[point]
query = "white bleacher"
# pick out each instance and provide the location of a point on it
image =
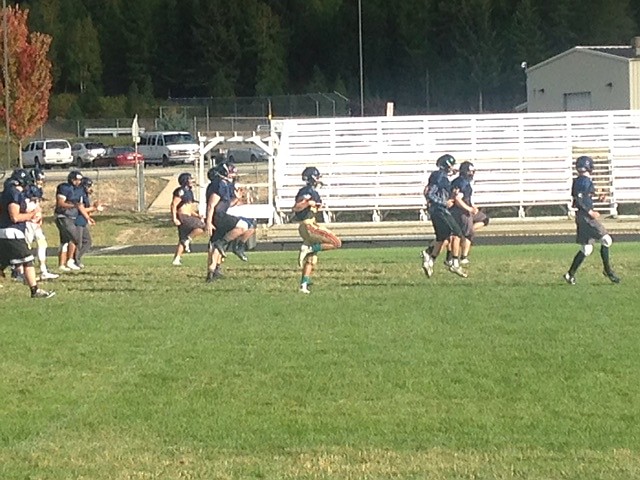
(381, 164)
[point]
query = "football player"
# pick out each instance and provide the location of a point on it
(315, 238)
(439, 200)
(33, 231)
(82, 223)
(185, 216)
(222, 227)
(464, 211)
(14, 250)
(67, 209)
(588, 226)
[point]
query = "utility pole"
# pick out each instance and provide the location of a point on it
(361, 59)
(5, 73)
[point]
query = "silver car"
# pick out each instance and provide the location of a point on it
(246, 154)
(84, 153)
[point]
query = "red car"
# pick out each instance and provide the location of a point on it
(119, 157)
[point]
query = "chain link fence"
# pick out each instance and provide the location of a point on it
(227, 116)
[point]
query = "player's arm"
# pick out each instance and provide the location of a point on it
(304, 202)
(583, 202)
(84, 212)
(458, 200)
(16, 217)
(62, 202)
(175, 201)
(212, 202)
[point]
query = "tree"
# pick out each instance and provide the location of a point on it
(28, 78)
(271, 73)
(83, 55)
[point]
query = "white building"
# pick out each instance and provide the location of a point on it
(587, 78)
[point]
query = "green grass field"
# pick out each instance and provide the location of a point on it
(140, 370)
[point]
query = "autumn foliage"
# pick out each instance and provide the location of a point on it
(29, 75)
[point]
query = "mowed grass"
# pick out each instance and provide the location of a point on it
(140, 370)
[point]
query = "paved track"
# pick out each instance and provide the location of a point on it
(410, 234)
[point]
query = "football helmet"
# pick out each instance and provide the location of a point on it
(584, 164)
(86, 183)
(74, 175)
(467, 170)
(227, 170)
(37, 175)
(33, 191)
(446, 162)
(20, 177)
(311, 176)
(184, 179)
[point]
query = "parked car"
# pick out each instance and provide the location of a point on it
(242, 154)
(84, 153)
(119, 157)
(46, 153)
(169, 148)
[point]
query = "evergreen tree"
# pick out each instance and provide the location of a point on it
(271, 69)
(83, 55)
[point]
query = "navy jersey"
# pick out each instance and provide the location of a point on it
(583, 192)
(463, 185)
(310, 193)
(185, 194)
(225, 190)
(80, 220)
(10, 195)
(438, 189)
(72, 195)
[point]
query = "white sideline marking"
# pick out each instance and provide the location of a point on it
(114, 248)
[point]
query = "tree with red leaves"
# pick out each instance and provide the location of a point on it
(28, 76)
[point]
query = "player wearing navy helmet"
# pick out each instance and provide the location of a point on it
(222, 227)
(67, 209)
(14, 250)
(185, 216)
(83, 222)
(464, 211)
(315, 238)
(438, 193)
(33, 233)
(588, 226)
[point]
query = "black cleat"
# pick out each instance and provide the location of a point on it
(611, 276)
(239, 252)
(212, 276)
(570, 279)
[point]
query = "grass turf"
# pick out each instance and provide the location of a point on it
(138, 369)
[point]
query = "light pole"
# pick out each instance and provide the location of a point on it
(361, 62)
(5, 72)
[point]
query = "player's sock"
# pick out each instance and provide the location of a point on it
(604, 254)
(577, 261)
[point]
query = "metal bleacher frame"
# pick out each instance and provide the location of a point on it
(381, 164)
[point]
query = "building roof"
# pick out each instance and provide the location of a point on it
(622, 53)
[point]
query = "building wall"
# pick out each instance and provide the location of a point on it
(594, 81)
(634, 83)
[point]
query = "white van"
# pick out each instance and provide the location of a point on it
(46, 153)
(168, 148)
